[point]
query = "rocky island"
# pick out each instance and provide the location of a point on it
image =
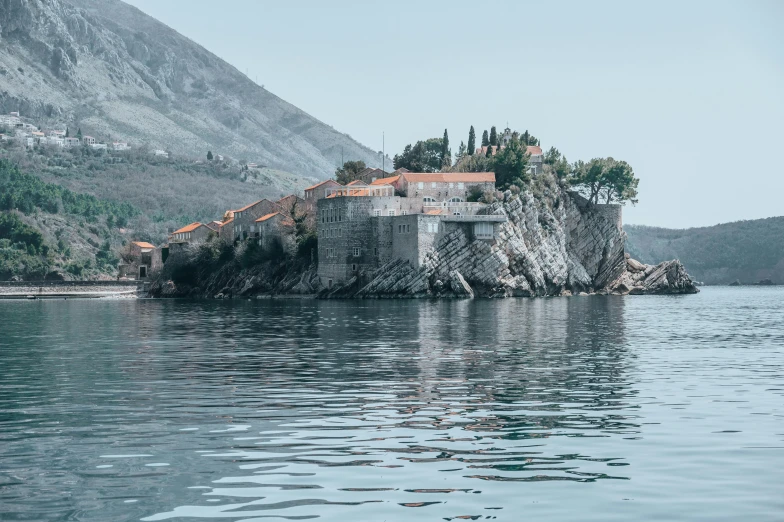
(546, 240)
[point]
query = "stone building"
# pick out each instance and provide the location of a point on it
(193, 233)
(245, 217)
(276, 229)
(319, 191)
(362, 227)
(137, 260)
(442, 188)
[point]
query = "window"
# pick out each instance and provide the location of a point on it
(420, 185)
(353, 268)
(340, 214)
(451, 185)
(483, 230)
(322, 215)
(356, 252)
(461, 185)
(432, 227)
(340, 232)
(455, 200)
(391, 212)
(377, 212)
(375, 251)
(404, 212)
(428, 199)
(408, 229)
(433, 184)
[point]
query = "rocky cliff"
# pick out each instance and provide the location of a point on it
(553, 244)
(119, 74)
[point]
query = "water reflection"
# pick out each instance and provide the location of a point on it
(155, 410)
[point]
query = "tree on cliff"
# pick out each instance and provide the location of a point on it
(605, 180)
(423, 156)
(511, 165)
(485, 139)
(471, 141)
(493, 136)
(446, 152)
(349, 171)
(461, 153)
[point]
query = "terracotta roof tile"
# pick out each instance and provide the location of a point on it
(230, 220)
(317, 185)
(266, 217)
(450, 177)
(142, 244)
(386, 181)
(534, 149)
(188, 228)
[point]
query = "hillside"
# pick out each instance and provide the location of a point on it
(748, 251)
(116, 73)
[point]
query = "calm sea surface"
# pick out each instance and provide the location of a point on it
(586, 408)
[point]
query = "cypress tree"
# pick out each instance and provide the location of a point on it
(67, 133)
(446, 152)
(485, 139)
(209, 155)
(471, 141)
(489, 151)
(493, 136)
(79, 133)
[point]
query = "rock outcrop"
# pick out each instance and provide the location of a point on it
(558, 245)
(554, 244)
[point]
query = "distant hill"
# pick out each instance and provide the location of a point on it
(748, 251)
(118, 74)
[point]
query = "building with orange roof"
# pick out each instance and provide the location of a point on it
(318, 191)
(193, 233)
(276, 231)
(245, 217)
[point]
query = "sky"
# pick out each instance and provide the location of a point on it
(690, 94)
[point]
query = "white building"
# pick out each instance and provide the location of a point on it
(99, 146)
(119, 145)
(161, 153)
(71, 142)
(88, 140)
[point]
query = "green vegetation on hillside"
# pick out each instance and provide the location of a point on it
(23, 251)
(744, 250)
(25, 193)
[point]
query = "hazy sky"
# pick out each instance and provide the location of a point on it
(691, 94)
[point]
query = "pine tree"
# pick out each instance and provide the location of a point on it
(209, 155)
(485, 139)
(493, 136)
(446, 152)
(471, 141)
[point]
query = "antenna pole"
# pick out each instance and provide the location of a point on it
(383, 153)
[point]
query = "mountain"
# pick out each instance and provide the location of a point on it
(118, 74)
(747, 251)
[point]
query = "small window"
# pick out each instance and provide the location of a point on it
(377, 212)
(461, 185)
(433, 184)
(451, 185)
(353, 268)
(421, 185)
(329, 283)
(340, 232)
(483, 230)
(408, 229)
(404, 212)
(356, 252)
(391, 212)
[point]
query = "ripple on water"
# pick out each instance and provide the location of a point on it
(594, 408)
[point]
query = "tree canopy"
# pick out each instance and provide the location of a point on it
(423, 156)
(493, 136)
(605, 180)
(471, 141)
(485, 139)
(349, 171)
(446, 152)
(511, 165)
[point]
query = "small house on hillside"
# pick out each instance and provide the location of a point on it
(138, 260)
(319, 191)
(275, 230)
(193, 233)
(245, 217)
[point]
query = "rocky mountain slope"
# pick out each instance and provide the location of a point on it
(554, 243)
(746, 251)
(117, 73)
